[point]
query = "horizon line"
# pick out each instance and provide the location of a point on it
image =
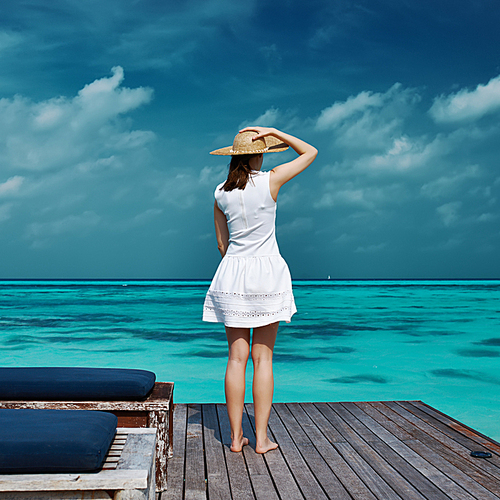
(210, 279)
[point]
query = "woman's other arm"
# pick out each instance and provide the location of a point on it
(221, 230)
(283, 173)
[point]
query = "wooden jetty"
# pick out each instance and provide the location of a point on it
(388, 450)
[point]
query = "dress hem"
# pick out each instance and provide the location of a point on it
(240, 324)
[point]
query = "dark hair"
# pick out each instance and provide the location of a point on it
(239, 172)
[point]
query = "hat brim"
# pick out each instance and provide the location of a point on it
(274, 146)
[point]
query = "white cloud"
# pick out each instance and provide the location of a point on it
(449, 212)
(179, 190)
(370, 122)
(11, 185)
(5, 210)
(487, 217)
(96, 104)
(390, 170)
(322, 36)
(211, 176)
(270, 118)
(359, 195)
(274, 117)
(9, 39)
(339, 111)
(290, 196)
(447, 184)
(101, 164)
(371, 248)
(343, 197)
(69, 224)
(141, 219)
(449, 244)
(62, 131)
(131, 140)
(64, 203)
(104, 98)
(403, 154)
(298, 226)
(168, 38)
(75, 154)
(272, 56)
(344, 238)
(147, 215)
(467, 105)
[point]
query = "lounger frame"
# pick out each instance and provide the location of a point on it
(154, 412)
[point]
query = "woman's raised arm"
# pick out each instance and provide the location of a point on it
(283, 173)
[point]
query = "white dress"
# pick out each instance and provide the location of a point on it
(252, 286)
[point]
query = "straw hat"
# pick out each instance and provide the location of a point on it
(244, 145)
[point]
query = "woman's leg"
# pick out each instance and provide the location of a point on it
(263, 383)
(239, 348)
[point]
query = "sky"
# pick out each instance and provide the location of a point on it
(108, 111)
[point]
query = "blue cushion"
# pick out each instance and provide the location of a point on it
(38, 441)
(74, 384)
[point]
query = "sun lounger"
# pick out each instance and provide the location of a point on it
(38, 441)
(127, 474)
(132, 395)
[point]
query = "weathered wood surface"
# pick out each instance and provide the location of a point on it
(155, 411)
(115, 450)
(56, 495)
(134, 472)
(393, 450)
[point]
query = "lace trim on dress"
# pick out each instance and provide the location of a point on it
(246, 314)
(250, 296)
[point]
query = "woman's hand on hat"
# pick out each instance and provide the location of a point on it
(261, 131)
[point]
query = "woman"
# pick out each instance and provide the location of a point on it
(252, 288)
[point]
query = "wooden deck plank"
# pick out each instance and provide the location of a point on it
(481, 471)
(402, 415)
(217, 478)
(283, 479)
(258, 472)
(319, 467)
(421, 485)
(484, 471)
(455, 424)
(461, 433)
(450, 463)
(393, 450)
(239, 480)
(317, 431)
(468, 483)
(194, 485)
(175, 477)
(308, 484)
(365, 455)
(342, 472)
(431, 469)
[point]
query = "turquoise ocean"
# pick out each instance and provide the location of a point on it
(435, 341)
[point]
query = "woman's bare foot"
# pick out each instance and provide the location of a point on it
(237, 444)
(266, 446)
